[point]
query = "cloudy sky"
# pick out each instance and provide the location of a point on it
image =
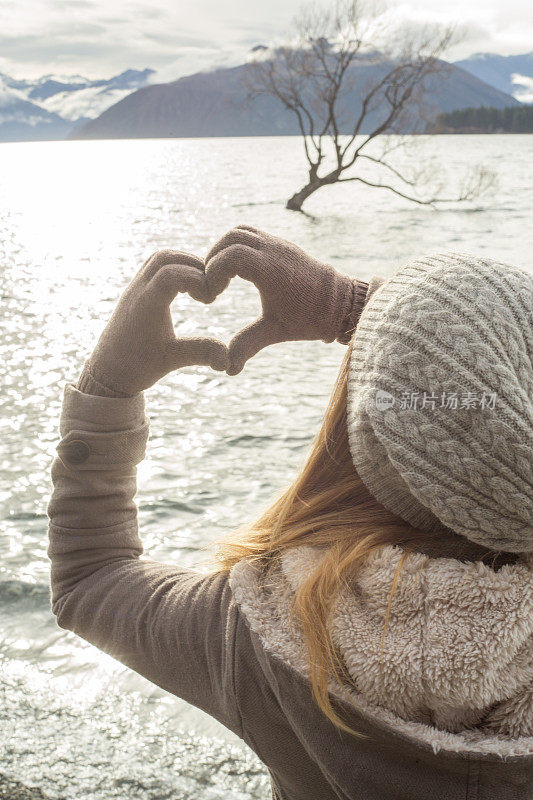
(99, 38)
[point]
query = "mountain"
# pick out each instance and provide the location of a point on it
(22, 120)
(214, 104)
(53, 105)
(510, 74)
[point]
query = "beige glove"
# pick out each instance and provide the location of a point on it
(301, 297)
(138, 346)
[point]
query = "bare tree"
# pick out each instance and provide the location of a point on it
(349, 76)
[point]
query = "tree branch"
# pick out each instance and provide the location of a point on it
(467, 194)
(388, 166)
(430, 202)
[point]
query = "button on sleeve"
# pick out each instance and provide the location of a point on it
(75, 452)
(110, 450)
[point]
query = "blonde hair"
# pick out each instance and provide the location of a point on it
(327, 506)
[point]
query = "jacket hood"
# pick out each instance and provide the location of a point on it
(454, 669)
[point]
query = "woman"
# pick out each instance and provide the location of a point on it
(371, 635)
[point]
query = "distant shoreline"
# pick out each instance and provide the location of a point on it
(477, 132)
(513, 119)
(450, 132)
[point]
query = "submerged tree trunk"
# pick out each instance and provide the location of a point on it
(296, 202)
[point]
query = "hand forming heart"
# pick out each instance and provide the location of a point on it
(301, 298)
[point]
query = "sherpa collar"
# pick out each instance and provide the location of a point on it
(457, 660)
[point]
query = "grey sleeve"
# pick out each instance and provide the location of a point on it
(174, 626)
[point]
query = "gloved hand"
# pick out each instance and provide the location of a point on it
(138, 346)
(301, 297)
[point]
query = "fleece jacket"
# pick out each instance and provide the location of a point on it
(447, 713)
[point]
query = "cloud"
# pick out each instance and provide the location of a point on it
(88, 102)
(103, 37)
(525, 87)
(8, 95)
(197, 59)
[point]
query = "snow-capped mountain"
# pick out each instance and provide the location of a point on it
(510, 74)
(53, 105)
(61, 106)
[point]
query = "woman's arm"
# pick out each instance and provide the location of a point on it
(174, 626)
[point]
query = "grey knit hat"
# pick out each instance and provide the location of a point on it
(440, 398)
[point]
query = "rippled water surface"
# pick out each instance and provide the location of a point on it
(77, 219)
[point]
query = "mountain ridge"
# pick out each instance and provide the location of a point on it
(50, 106)
(214, 103)
(63, 106)
(510, 74)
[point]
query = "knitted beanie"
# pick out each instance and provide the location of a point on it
(440, 398)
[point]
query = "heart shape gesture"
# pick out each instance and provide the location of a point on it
(138, 346)
(301, 298)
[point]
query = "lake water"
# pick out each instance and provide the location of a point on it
(77, 219)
